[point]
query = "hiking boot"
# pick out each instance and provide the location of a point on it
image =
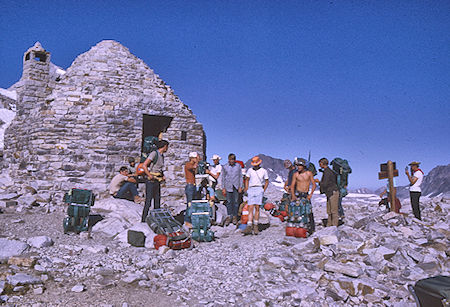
(235, 220)
(255, 229)
(247, 230)
(227, 221)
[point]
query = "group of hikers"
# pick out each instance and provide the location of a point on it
(233, 182)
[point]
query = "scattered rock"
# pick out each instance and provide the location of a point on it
(40, 241)
(25, 261)
(9, 248)
(20, 279)
(78, 288)
(348, 269)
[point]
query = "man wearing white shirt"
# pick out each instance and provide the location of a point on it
(415, 181)
(214, 173)
(256, 182)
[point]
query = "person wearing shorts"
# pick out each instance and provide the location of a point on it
(256, 183)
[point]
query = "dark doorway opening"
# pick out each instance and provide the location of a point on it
(153, 125)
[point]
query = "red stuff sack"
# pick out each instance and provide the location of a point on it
(159, 240)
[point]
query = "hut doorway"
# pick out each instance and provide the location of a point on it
(153, 125)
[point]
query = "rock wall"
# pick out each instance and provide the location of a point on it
(77, 131)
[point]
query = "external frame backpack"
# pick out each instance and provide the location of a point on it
(148, 147)
(341, 168)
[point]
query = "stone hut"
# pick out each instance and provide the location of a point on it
(75, 129)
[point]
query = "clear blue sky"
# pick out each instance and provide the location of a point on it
(368, 81)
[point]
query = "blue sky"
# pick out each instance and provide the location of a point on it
(367, 81)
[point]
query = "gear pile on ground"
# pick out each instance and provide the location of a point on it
(368, 261)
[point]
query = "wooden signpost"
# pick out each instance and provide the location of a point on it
(389, 171)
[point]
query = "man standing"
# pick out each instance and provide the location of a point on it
(256, 182)
(328, 186)
(232, 182)
(415, 191)
(291, 171)
(154, 174)
(214, 172)
(123, 186)
(301, 181)
(189, 172)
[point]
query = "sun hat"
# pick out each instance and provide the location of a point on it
(414, 163)
(216, 157)
(256, 161)
(193, 154)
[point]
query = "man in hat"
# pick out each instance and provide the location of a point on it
(214, 172)
(415, 182)
(190, 168)
(232, 185)
(256, 183)
(301, 181)
(154, 173)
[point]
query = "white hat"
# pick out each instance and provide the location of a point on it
(216, 157)
(193, 154)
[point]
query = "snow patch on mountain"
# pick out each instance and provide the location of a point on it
(6, 117)
(9, 94)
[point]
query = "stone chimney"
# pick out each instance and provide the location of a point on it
(34, 84)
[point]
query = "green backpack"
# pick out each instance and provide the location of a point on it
(341, 168)
(148, 147)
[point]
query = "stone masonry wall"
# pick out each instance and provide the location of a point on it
(80, 133)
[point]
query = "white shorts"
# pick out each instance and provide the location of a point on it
(255, 195)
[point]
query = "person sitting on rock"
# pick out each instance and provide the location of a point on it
(131, 165)
(123, 186)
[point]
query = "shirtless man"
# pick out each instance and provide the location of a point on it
(301, 180)
(300, 188)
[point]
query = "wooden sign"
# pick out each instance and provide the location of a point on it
(388, 172)
(384, 175)
(384, 167)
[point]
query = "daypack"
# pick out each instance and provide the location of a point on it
(148, 147)
(312, 168)
(341, 168)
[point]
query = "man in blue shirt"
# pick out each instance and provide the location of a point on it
(233, 184)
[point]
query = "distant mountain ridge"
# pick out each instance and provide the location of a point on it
(274, 167)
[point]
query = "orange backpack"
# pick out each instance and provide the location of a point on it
(244, 215)
(140, 169)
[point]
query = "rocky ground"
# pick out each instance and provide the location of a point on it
(368, 261)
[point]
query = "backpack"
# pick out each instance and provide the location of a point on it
(148, 147)
(341, 168)
(202, 167)
(311, 167)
